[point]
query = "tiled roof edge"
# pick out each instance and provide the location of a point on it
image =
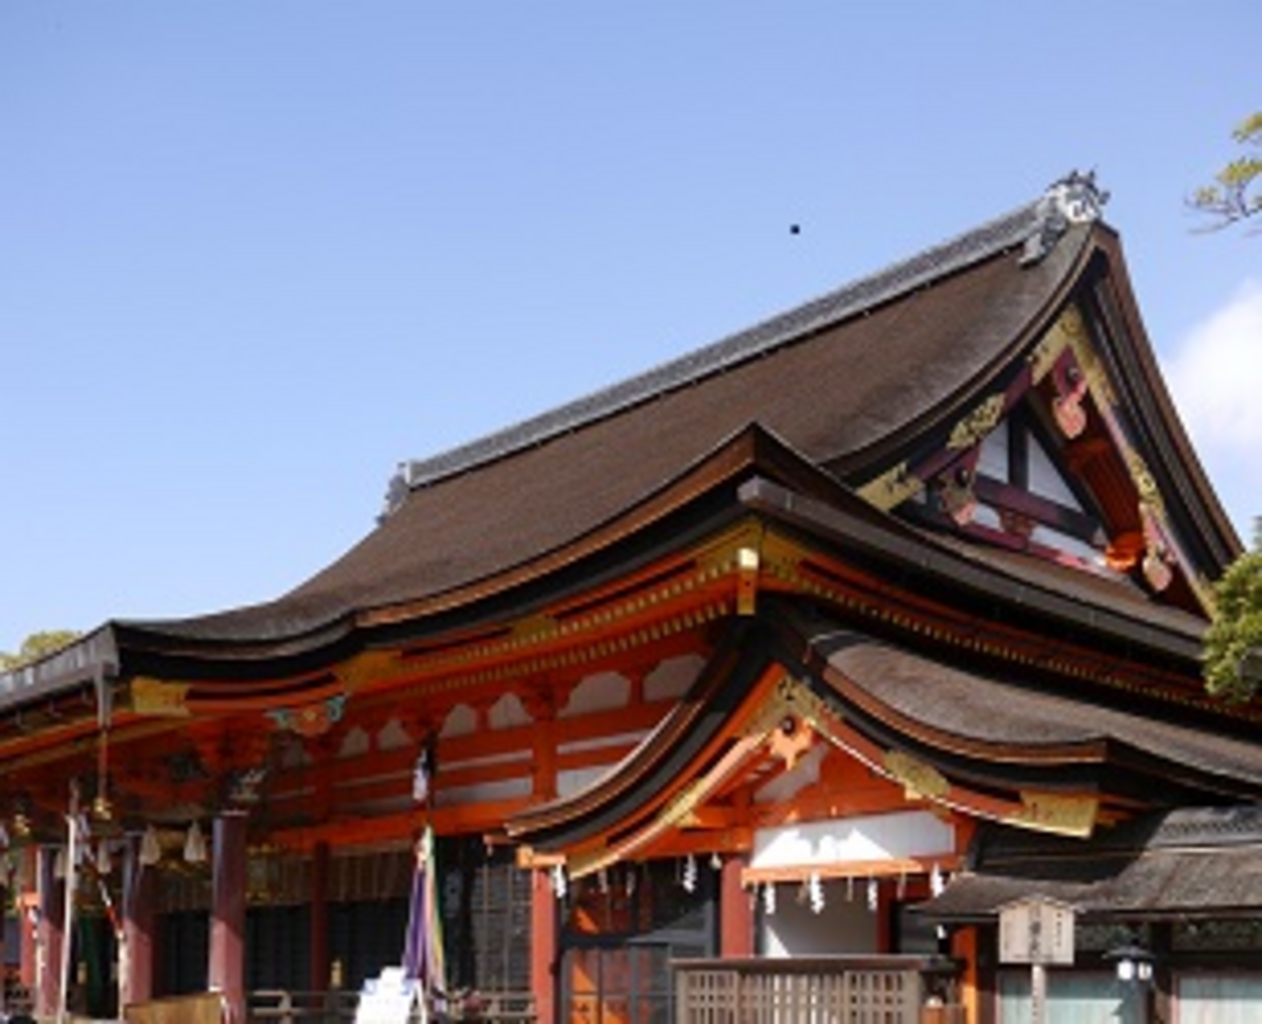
(1035, 226)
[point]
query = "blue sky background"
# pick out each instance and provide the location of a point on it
(254, 253)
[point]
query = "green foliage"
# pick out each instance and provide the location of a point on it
(1236, 192)
(1233, 644)
(36, 646)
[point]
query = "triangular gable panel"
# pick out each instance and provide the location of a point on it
(1053, 463)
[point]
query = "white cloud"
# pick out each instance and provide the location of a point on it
(1215, 374)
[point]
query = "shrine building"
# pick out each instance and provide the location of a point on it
(802, 656)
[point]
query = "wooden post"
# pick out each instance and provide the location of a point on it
(544, 965)
(320, 965)
(1038, 993)
(140, 919)
(736, 911)
(965, 947)
(226, 969)
(49, 936)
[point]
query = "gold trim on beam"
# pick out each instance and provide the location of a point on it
(891, 488)
(155, 698)
(1056, 813)
(893, 867)
(978, 423)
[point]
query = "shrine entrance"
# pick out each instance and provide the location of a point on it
(620, 932)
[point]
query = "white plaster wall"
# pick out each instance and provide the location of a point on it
(869, 837)
(507, 712)
(577, 779)
(598, 692)
(460, 721)
(794, 929)
(508, 789)
(672, 677)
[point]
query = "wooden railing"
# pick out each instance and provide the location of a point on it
(817, 990)
(281, 1006)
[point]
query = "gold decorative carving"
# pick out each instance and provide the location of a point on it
(159, 699)
(536, 627)
(917, 778)
(681, 806)
(891, 488)
(1070, 331)
(1057, 813)
(1044, 355)
(790, 699)
(977, 424)
(368, 668)
(747, 568)
(1142, 478)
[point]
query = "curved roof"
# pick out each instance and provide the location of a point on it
(841, 381)
(830, 379)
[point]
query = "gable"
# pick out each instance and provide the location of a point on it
(1060, 460)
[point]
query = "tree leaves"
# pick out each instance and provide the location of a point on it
(36, 646)
(1233, 644)
(1234, 194)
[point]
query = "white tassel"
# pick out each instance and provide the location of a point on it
(874, 895)
(689, 880)
(195, 845)
(817, 893)
(936, 882)
(769, 898)
(559, 883)
(150, 848)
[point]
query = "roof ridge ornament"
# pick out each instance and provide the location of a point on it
(1073, 199)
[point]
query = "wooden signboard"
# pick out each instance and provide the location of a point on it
(1036, 930)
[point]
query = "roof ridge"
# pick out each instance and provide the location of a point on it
(1035, 226)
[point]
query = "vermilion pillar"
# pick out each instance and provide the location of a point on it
(320, 918)
(140, 922)
(736, 912)
(543, 946)
(226, 970)
(52, 909)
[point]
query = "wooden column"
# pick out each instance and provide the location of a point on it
(136, 967)
(320, 918)
(28, 913)
(964, 947)
(736, 911)
(540, 703)
(544, 964)
(226, 968)
(52, 909)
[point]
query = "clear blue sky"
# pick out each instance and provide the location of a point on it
(254, 253)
